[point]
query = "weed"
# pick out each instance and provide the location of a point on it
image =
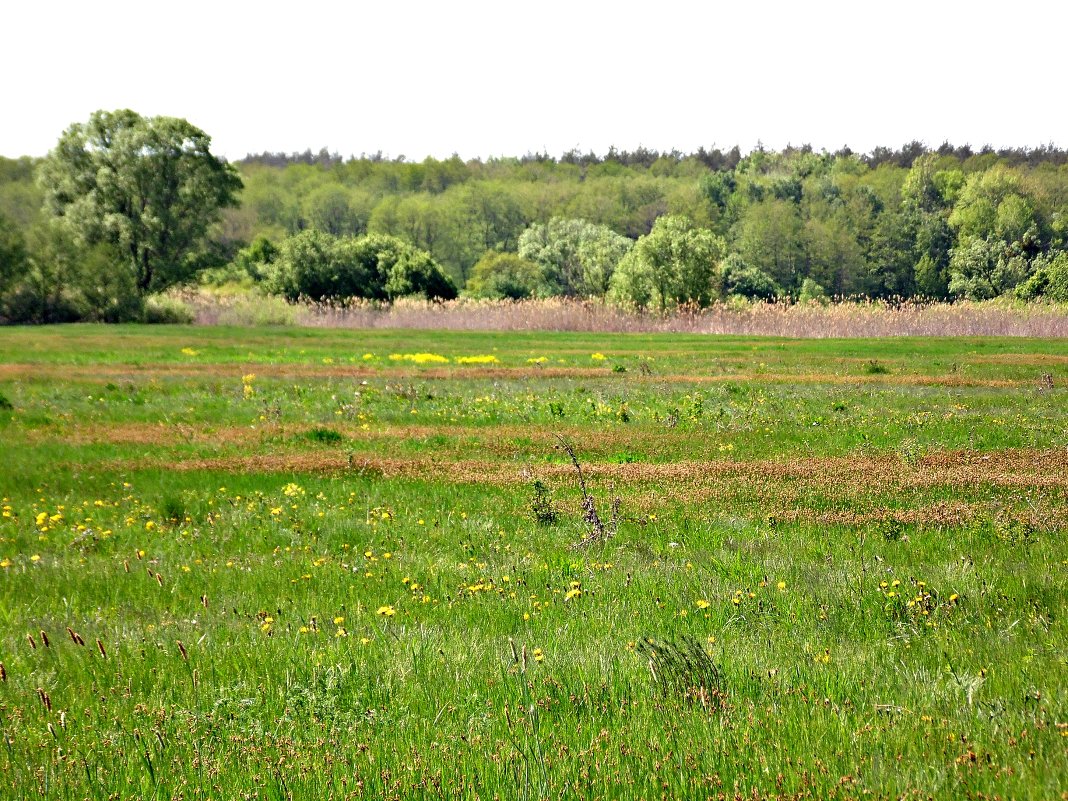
(891, 530)
(911, 450)
(5, 404)
(875, 367)
(598, 531)
(541, 504)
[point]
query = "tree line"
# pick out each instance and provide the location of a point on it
(643, 228)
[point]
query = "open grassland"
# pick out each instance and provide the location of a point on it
(307, 563)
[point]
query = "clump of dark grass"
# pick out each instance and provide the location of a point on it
(875, 367)
(324, 435)
(684, 669)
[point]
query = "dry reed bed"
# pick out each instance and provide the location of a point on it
(847, 319)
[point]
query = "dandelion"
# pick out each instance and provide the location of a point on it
(598, 357)
(538, 655)
(190, 352)
(386, 611)
(781, 586)
(485, 359)
(702, 604)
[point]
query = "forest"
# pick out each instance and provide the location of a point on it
(642, 229)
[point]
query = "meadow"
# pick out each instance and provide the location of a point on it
(338, 563)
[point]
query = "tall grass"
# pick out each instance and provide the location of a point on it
(843, 319)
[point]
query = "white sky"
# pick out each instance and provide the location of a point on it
(498, 78)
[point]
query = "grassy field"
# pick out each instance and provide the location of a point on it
(254, 563)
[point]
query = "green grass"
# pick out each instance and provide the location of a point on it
(297, 572)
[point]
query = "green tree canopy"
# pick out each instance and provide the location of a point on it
(149, 187)
(576, 257)
(505, 275)
(316, 265)
(12, 253)
(674, 263)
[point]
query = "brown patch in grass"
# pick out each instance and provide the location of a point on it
(100, 374)
(1035, 359)
(829, 491)
(850, 475)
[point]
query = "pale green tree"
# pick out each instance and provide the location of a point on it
(674, 263)
(576, 257)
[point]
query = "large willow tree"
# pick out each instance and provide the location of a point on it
(147, 186)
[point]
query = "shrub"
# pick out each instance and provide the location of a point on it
(1049, 280)
(811, 292)
(320, 267)
(748, 282)
(163, 309)
(505, 275)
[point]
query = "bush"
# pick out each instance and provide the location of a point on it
(811, 292)
(1049, 279)
(162, 309)
(749, 282)
(320, 267)
(505, 276)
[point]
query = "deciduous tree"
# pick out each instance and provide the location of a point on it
(147, 186)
